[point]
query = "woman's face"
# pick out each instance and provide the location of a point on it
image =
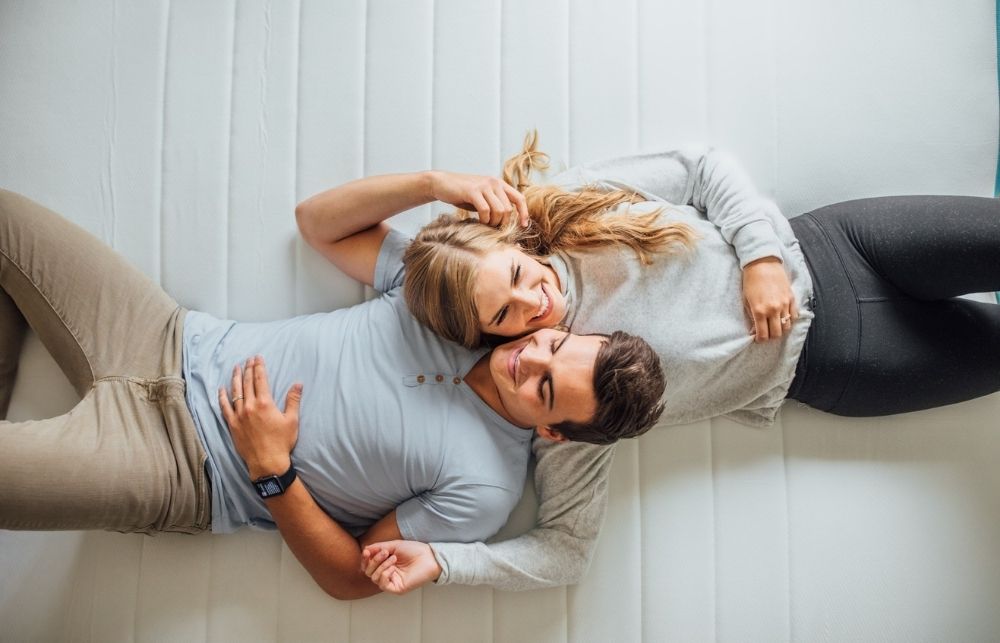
(516, 294)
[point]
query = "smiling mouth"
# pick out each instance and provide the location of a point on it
(513, 362)
(545, 307)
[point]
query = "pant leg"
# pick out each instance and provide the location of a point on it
(95, 313)
(126, 458)
(879, 344)
(929, 247)
(13, 328)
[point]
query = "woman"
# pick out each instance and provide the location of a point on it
(879, 331)
(890, 267)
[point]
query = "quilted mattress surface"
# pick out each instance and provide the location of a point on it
(183, 132)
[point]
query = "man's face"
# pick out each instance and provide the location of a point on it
(547, 377)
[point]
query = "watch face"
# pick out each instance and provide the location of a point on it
(269, 487)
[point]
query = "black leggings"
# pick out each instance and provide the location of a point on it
(889, 335)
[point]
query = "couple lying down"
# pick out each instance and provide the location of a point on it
(362, 435)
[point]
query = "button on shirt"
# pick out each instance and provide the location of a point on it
(387, 420)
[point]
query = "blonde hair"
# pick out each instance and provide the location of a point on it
(441, 262)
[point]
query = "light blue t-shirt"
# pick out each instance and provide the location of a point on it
(387, 421)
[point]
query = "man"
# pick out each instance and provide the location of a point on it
(404, 435)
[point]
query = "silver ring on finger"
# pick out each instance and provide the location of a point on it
(787, 319)
(237, 399)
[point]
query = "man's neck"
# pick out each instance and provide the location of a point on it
(481, 381)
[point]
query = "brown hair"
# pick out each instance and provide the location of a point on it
(629, 384)
(442, 261)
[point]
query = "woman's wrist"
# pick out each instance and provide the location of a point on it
(428, 180)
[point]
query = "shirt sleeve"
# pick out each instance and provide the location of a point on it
(462, 512)
(389, 270)
(571, 480)
(703, 177)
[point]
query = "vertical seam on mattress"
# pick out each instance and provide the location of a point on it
(996, 185)
(637, 63)
(715, 536)
(500, 96)
(569, 86)
(788, 528)
(229, 163)
(163, 137)
(706, 62)
(775, 130)
(430, 96)
(364, 93)
(296, 263)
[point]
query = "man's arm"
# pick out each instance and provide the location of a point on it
(264, 437)
(571, 482)
(330, 555)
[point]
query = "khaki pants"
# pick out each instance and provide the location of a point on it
(127, 457)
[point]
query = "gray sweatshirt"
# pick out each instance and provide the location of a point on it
(689, 307)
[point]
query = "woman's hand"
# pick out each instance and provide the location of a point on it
(398, 566)
(263, 435)
(493, 199)
(768, 298)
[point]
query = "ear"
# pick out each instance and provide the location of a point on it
(550, 434)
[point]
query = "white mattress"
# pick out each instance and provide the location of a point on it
(184, 132)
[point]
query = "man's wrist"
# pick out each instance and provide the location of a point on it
(269, 467)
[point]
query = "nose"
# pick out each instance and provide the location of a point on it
(533, 359)
(527, 302)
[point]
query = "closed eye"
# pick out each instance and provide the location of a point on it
(547, 378)
(515, 277)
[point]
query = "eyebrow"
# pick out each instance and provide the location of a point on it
(496, 317)
(552, 390)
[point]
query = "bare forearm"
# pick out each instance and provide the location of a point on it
(330, 554)
(339, 212)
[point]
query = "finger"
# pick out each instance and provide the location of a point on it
(383, 571)
(496, 208)
(507, 208)
(292, 401)
(375, 562)
(774, 326)
(227, 409)
(237, 385)
(760, 324)
(248, 390)
(260, 385)
(482, 207)
(794, 311)
(394, 583)
(519, 202)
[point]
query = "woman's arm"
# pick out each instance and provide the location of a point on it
(571, 481)
(346, 224)
(713, 182)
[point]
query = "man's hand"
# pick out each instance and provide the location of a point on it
(398, 566)
(263, 435)
(768, 298)
(493, 199)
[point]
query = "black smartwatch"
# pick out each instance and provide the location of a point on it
(270, 486)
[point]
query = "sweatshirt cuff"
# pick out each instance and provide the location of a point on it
(756, 240)
(439, 551)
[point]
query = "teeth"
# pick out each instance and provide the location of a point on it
(545, 306)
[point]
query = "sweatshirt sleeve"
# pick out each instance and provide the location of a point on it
(571, 480)
(708, 179)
